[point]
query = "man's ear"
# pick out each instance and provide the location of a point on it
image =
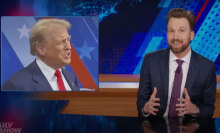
(41, 50)
(192, 35)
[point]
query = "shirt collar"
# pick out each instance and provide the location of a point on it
(186, 58)
(47, 70)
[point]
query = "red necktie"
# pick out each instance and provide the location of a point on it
(59, 81)
(176, 89)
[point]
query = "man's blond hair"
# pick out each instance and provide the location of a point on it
(39, 31)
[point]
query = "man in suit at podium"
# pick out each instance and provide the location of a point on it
(177, 81)
(50, 43)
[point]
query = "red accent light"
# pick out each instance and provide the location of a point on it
(202, 9)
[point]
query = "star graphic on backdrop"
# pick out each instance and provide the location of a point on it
(24, 31)
(85, 51)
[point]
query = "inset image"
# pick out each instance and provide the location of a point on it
(49, 53)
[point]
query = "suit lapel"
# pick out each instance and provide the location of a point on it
(193, 69)
(40, 82)
(164, 68)
(68, 79)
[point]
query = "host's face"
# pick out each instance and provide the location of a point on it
(57, 50)
(179, 35)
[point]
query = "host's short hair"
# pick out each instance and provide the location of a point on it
(39, 31)
(182, 13)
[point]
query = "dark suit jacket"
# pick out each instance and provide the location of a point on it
(32, 79)
(200, 82)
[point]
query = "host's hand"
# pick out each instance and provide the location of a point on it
(149, 107)
(185, 106)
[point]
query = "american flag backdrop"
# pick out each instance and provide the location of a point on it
(15, 47)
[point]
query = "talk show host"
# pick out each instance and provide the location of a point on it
(177, 81)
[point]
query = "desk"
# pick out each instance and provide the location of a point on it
(106, 124)
(108, 110)
(108, 102)
(44, 116)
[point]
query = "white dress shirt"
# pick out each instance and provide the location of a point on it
(49, 74)
(172, 68)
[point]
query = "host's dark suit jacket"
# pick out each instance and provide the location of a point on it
(32, 79)
(200, 82)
